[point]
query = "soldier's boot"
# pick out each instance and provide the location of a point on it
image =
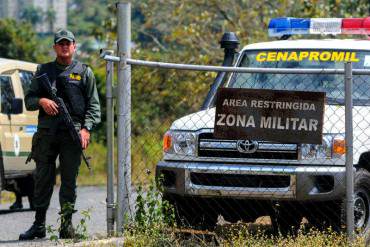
(16, 205)
(66, 229)
(38, 229)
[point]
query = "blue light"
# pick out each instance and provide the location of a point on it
(300, 25)
(288, 26)
(279, 26)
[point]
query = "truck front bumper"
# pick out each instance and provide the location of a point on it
(252, 181)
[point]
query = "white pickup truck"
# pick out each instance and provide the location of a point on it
(204, 177)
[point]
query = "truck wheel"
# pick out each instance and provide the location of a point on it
(192, 212)
(285, 219)
(361, 210)
(23, 187)
(335, 213)
(362, 201)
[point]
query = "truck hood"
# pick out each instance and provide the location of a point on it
(334, 122)
(334, 119)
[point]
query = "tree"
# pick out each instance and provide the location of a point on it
(32, 14)
(50, 18)
(85, 16)
(189, 31)
(18, 40)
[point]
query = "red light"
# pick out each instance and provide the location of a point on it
(366, 25)
(356, 25)
(352, 25)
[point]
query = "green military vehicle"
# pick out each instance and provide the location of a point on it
(17, 126)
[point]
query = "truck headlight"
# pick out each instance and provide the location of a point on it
(180, 142)
(332, 147)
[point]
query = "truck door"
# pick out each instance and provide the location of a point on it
(3, 135)
(29, 123)
(13, 135)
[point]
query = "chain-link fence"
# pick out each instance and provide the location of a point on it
(206, 177)
(210, 180)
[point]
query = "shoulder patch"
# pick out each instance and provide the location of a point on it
(75, 76)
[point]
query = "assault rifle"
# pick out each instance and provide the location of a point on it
(63, 113)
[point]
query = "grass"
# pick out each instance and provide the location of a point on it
(145, 154)
(238, 238)
(310, 237)
(97, 151)
(242, 238)
(154, 225)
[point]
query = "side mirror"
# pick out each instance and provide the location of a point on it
(16, 106)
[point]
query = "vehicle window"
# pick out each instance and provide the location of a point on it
(25, 77)
(6, 93)
(333, 85)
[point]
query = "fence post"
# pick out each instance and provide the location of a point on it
(110, 141)
(124, 114)
(349, 150)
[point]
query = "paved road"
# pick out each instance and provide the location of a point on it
(11, 224)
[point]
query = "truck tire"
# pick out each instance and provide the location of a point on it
(23, 186)
(362, 201)
(334, 214)
(192, 212)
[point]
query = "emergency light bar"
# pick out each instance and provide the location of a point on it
(289, 25)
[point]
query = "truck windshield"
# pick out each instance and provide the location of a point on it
(333, 85)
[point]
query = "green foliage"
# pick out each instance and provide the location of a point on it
(151, 210)
(153, 214)
(98, 152)
(85, 17)
(81, 232)
(35, 15)
(147, 150)
(159, 94)
(240, 236)
(17, 40)
(50, 17)
(53, 232)
(81, 228)
(32, 14)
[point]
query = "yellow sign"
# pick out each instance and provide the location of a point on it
(75, 77)
(335, 56)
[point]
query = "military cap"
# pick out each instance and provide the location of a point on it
(63, 34)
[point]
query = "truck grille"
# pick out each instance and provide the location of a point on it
(240, 180)
(210, 147)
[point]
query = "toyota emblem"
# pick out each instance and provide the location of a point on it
(247, 146)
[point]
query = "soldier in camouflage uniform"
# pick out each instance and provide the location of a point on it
(75, 84)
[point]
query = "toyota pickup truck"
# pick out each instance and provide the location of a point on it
(17, 126)
(204, 176)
